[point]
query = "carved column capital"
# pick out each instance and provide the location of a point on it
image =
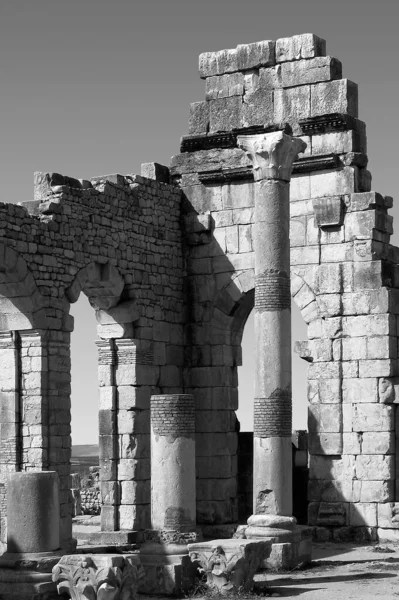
(272, 154)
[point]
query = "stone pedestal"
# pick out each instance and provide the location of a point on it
(272, 156)
(230, 565)
(24, 576)
(102, 576)
(33, 512)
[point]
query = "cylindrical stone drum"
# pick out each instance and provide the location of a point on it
(173, 502)
(33, 512)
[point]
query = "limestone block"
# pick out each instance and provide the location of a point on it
(339, 142)
(320, 490)
(314, 70)
(258, 54)
(375, 467)
(218, 63)
(376, 368)
(350, 369)
(326, 391)
(298, 47)
(313, 233)
(133, 421)
(134, 517)
(329, 304)
(292, 104)
(257, 108)
(305, 256)
(130, 468)
(110, 494)
(333, 183)
(328, 514)
(329, 279)
(107, 398)
(134, 445)
(330, 370)
(324, 418)
(352, 443)
(378, 442)
(215, 444)
(368, 275)
(325, 443)
(372, 417)
(216, 512)
(108, 470)
(133, 492)
(363, 513)
(354, 349)
(224, 86)
(338, 253)
(216, 489)
(388, 390)
(207, 160)
(376, 491)
(153, 170)
(359, 225)
(298, 232)
(365, 201)
(225, 114)
(300, 190)
(224, 398)
(125, 312)
(118, 330)
(359, 390)
(130, 396)
(387, 535)
(329, 468)
(214, 467)
(367, 325)
(215, 420)
(107, 446)
(365, 302)
(334, 97)
(387, 515)
(238, 195)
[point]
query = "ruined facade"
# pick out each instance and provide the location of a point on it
(167, 261)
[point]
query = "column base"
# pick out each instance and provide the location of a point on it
(164, 556)
(28, 575)
(291, 544)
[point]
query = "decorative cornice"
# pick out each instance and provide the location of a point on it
(326, 123)
(227, 139)
(305, 164)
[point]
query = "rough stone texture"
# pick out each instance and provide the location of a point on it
(172, 299)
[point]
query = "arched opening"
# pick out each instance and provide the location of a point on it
(84, 409)
(245, 412)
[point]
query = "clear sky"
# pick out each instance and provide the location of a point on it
(90, 87)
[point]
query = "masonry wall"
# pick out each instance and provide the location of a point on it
(344, 279)
(118, 240)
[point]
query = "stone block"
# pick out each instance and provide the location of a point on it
(326, 391)
(325, 443)
(329, 491)
(253, 56)
(368, 275)
(376, 491)
(324, 418)
(360, 389)
(135, 492)
(238, 195)
(328, 514)
(133, 421)
(134, 446)
(331, 468)
(334, 97)
(214, 467)
(298, 47)
(354, 349)
(366, 302)
(372, 417)
(329, 305)
(367, 325)
(314, 70)
(130, 396)
(298, 232)
(134, 517)
(216, 512)
(330, 370)
(376, 368)
(257, 108)
(224, 86)
(339, 142)
(215, 444)
(225, 114)
(116, 331)
(333, 183)
(378, 442)
(107, 398)
(126, 312)
(387, 515)
(351, 443)
(107, 446)
(215, 420)
(110, 494)
(365, 201)
(218, 63)
(363, 513)
(130, 468)
(375, 467)
(153, 170)
(292, 104)
(300, 190)
(216, 489)
(328, 212)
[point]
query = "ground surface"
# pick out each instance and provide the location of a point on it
(337, 572)
(340, 572)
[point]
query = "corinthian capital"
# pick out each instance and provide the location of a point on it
(272, 154)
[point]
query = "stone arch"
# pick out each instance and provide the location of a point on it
(102, 284)
(22, 306)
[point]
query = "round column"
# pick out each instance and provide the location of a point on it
(273, 406)
(33, 512)
(173, 499)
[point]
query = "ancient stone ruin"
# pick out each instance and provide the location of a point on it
(173, 261)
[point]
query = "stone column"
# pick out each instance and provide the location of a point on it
(272, 156)
(173, 503)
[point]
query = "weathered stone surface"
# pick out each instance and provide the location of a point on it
(225, 113)
(224, 86)
(258, 54)
(298, 47)
(292, 104)
(334, 97)
(375, 468)
(310, 71)
(217, 63)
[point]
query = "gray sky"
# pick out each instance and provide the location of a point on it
(91, 87)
